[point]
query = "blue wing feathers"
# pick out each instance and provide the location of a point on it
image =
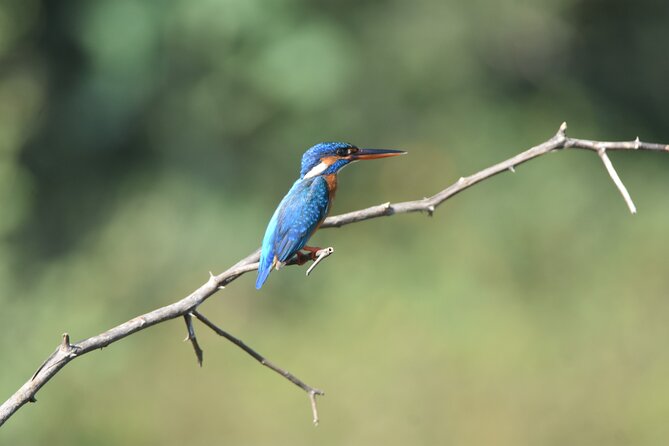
(263, 272)
(267, 250)
(305, 208)
(294, 221)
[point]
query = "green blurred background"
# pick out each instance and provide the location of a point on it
(143, 144)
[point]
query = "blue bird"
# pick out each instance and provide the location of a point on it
(307, 203)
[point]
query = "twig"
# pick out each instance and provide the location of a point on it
(192, 338)
(616, 179)
(320, 255)
(311, 391)
(59, 359)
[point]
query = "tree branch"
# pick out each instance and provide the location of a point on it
(66, 352)
(199, 354)
(311, 391)
(616, 179)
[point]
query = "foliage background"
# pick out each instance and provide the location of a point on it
(143, 144)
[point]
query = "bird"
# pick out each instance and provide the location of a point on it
(307, 203)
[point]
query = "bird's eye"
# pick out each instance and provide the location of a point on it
(342, 151)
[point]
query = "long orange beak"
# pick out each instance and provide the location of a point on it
(370, 154)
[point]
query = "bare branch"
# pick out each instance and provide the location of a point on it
(311, 391)
(67, 352)
(192, 338)
(320, 255)
(616, 179)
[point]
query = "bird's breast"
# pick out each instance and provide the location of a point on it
(331, 181)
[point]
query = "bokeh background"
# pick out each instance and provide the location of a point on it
(143, 144)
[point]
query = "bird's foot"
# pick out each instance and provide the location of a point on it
(311, 254)
(315, 254)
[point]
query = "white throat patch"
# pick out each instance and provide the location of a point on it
(317, 170)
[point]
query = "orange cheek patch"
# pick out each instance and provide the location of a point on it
(329, 160)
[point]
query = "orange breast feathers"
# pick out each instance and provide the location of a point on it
(331, 180)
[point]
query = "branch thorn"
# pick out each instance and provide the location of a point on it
(563, 129)
(637, 143)
(512, 169)
(387, 208)
(65, 344)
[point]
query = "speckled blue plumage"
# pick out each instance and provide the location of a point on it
(297, 217)
(307, 203)
(300, 212)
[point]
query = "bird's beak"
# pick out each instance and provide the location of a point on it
(370, 154)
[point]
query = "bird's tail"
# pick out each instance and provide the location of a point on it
(265, 267)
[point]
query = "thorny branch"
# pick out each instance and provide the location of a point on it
(311, 391)
(187, 307)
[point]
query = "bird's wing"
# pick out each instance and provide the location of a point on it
(301, 213)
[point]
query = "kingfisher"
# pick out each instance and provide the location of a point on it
(307, 203)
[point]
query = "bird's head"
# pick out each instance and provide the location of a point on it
(329, 157)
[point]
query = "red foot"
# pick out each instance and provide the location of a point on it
(304, 258)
